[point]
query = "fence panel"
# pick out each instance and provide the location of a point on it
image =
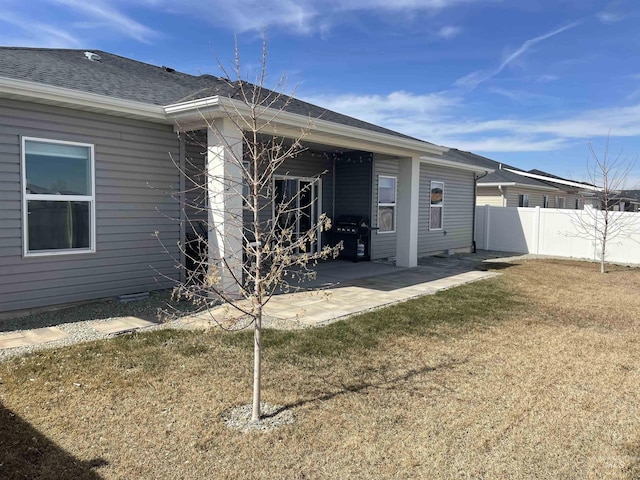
(556, 232)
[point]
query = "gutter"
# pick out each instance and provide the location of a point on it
(67, 97)
(218, 106)
(516, 184)
(555, 180)
(457, 165)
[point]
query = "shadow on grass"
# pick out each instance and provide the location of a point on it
(27, 453)
(384, 384)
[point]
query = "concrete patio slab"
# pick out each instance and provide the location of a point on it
(340, 296)
(119, 325)
(31, 337)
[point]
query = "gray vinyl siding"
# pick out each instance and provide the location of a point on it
(383, 245)
(536, 197)
(457, 214)
(489, 196)
(134, 180)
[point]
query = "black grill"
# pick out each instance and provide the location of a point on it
(352, 231)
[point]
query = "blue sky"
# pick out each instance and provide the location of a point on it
(529, 83)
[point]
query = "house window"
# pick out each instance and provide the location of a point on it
(436, 200)
(545, 201)
(58, 183)
(387, 193)
(523, 200)
(578, 206)
(561, 202)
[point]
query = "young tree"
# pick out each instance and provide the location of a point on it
(272, 252)
(599, 222)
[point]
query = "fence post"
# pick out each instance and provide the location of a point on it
(536, 231)
(487, 219)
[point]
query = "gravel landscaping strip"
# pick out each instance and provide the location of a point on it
(273, 416)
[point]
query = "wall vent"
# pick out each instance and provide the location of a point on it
(94, 57)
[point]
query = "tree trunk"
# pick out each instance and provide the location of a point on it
(257, 365)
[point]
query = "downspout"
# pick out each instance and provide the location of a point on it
(475, 201)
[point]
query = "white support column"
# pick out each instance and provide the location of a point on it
(407, 212)
(224, 194)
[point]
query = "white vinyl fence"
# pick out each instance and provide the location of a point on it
(555, 232)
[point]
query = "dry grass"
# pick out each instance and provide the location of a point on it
(535, 374)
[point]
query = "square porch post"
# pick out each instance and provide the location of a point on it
(224, 195)
(407, 215)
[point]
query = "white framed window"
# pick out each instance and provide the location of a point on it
(387, 199)
(58, 197)
(523, 200)
(562, 202)
(578, 204)
(545, 201)
(436, 205)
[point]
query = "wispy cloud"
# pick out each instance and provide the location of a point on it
(105, 14)
(610, 17)
(301, 16)
(448, 32)
(440, 118)
(473, 79)
(34, 33)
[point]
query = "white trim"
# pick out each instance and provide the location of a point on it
(215, 107)
(515, 184)
(91, 199)
(555, 180)
(41, 93)
(394, 205)
(441, 206)
(196, 110)
(457, 165)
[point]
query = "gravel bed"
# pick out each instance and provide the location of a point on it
(76, 321)
(273, 416)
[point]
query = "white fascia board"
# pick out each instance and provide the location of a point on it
(555, 180)
(66, 97)
(450, 164)
(212, 107)
(521, 185)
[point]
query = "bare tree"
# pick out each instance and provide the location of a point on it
(259, 249)
(600, 222)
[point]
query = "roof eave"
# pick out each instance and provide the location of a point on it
(580, 186)
(516, 184)
(457, 165)
(66, 97)
(189, 114)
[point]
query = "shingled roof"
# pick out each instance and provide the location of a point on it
(124, 78)
(499, 175)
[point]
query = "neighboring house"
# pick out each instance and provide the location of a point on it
(508, 186)
(627, 201)
(91, 149)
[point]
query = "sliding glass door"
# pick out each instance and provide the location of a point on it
(297, 205)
